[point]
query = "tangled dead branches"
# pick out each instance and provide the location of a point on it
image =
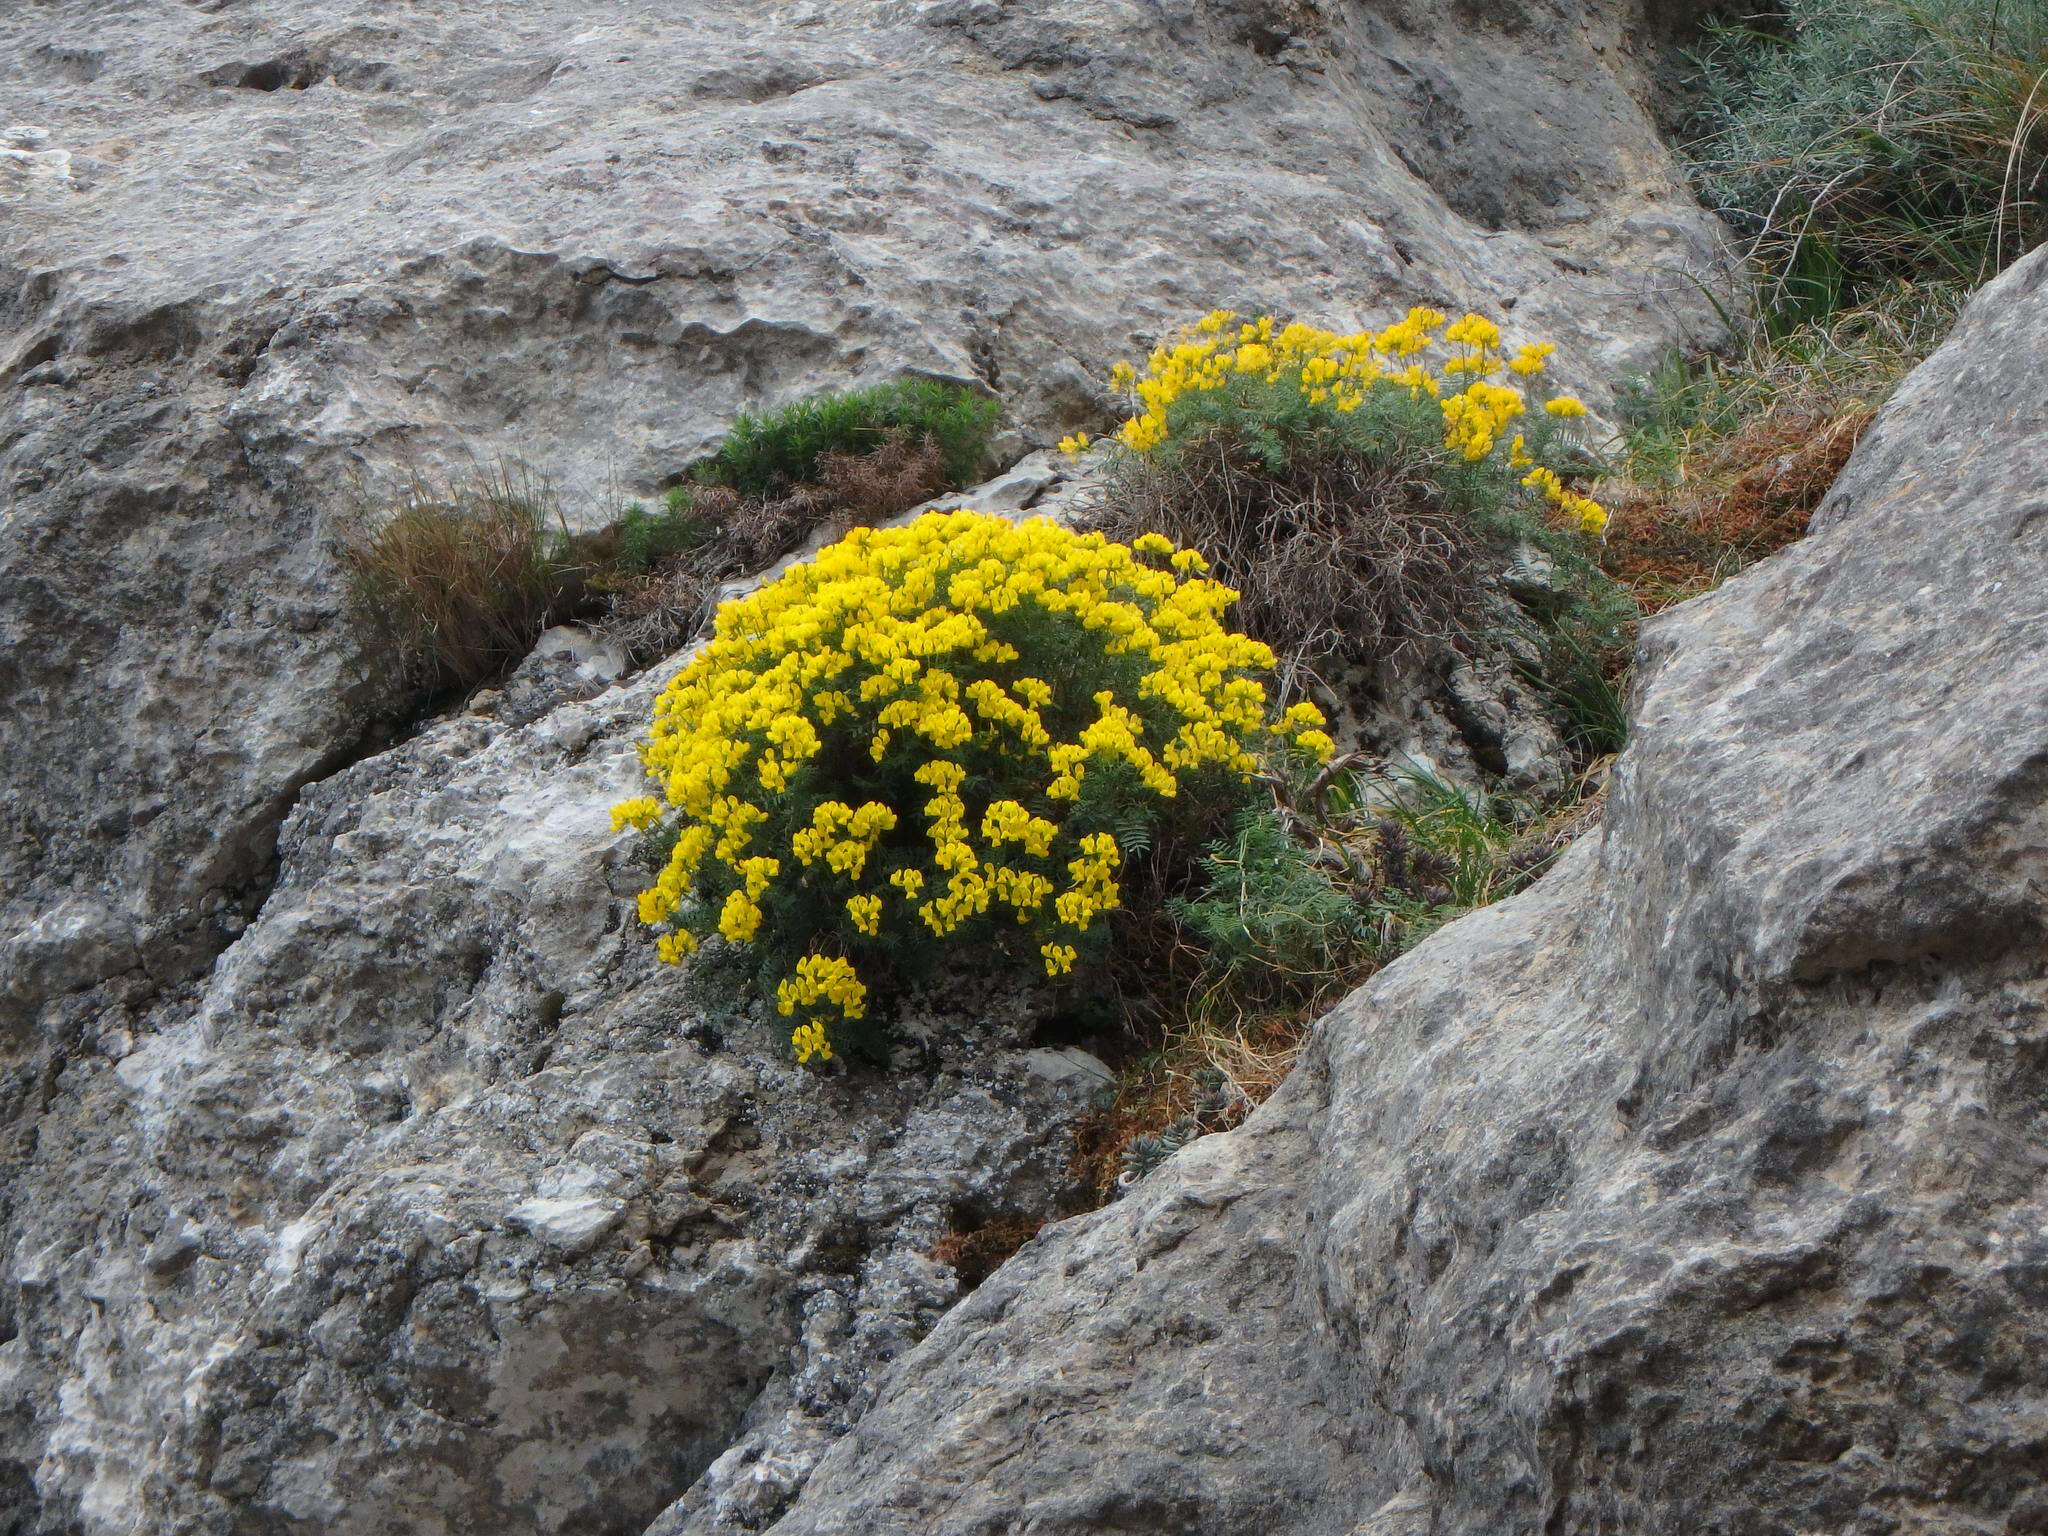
(1336, 556)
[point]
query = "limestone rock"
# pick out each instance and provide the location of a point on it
(1700, 1188)
(441, 1207)
(261, 263)
(363, 1175)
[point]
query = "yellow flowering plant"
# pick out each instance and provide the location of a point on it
(945, 741)
(1367, 491)
(1447, 396)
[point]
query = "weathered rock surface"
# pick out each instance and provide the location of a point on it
(260, 261)
(437, 1203)
(441, 1207)
(364, 1176)
(1701, 1188)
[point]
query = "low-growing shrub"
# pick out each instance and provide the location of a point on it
(1883, 157)
(1301, 896)
(1270, 924)
(462, 579)
(766, 457)
(1346, 483)
(946, 742)
(1861, 142)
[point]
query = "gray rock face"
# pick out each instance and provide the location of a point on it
(260, 262)
(1700, 1188)
(362, 1174)
(442, 1207)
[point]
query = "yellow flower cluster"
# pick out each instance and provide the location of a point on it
(1590, 514)
(823, 979)
(896, 738)
(1340, 371)
(640, 812)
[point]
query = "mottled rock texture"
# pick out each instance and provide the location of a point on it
(440, 1206)
(1701, 1188)
(362, 1175)
(260, 261)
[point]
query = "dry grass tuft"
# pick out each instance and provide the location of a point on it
(1205, 1077)
(1334, 554)
(459, 578)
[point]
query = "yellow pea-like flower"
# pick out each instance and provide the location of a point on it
(866, 912)
(640, 812)
(937, 700)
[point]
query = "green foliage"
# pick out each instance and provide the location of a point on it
(648, 540)
(1302, 900)
(1270, 922)
(1443, 850)
(1664, 408)
(1144, 1153)
(1289, 906)
(1578, 676)
(766, 456)
(1861, 142)
(1686, 407)
(1399, 429)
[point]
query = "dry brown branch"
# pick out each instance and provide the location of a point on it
(1333, 555)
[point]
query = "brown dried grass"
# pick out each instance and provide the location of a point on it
(977, 1248)
(1206, 1075)
(1746, 496)
(1334, 556)
(458, 578)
